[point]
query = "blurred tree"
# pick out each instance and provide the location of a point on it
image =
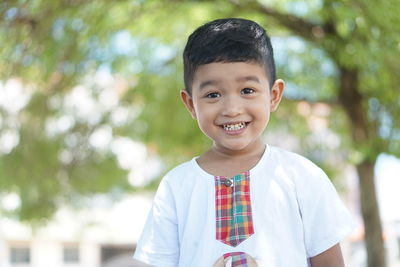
(345, 57)
(364, 49)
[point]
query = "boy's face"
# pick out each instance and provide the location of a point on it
(232, 103)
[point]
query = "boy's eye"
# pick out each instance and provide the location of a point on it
(212, 95)
(246, 91)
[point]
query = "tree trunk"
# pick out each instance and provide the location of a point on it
(351, 100)
(370, 213)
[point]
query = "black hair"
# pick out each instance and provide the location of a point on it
(228, 40)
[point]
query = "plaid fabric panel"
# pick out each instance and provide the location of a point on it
(238, 259)
(234, 222)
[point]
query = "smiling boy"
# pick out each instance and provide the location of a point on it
(241, 201)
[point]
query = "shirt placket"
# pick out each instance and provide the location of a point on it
(233, 209)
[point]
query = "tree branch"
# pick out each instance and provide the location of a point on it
(299, 26)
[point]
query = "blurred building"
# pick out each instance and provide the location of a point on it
(101, 236)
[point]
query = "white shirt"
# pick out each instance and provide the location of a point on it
(296, 212)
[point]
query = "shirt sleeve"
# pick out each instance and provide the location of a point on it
(326, 221)
(158, 244)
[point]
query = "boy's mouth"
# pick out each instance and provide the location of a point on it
(234, 126)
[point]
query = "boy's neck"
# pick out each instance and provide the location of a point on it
(219, 162)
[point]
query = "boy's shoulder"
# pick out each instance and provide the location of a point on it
(293, 162)
(186, 169)
(280, 154)
(299, 173)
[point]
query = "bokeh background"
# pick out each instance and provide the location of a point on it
(90, 117)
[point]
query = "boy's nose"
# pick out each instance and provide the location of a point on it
(232, 107)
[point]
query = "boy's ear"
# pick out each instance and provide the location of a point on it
(188, 101)
(276, 93)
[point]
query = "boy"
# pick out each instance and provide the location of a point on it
(241, 201)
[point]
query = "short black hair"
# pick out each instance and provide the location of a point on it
(228, 40)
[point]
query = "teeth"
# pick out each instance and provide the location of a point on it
(234, 127)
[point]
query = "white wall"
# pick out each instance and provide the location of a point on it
(49, 253)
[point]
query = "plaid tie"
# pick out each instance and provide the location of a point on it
(234, 222)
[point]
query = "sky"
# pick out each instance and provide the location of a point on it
(387, 171)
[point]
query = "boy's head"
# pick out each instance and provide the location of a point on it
(228, 40)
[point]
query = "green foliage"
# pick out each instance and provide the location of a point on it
(52, 46)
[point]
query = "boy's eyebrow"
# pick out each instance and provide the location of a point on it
(207, 83)
(248, 78)
(240, 79)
